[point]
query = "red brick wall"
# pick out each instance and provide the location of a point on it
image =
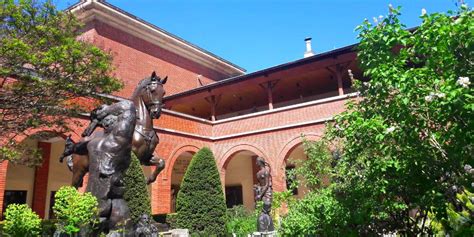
(298, 115)
(171, 121)
(3, 181)
(274, 145)
(135, 59)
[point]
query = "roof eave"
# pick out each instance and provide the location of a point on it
(92, 9)
(317, 57)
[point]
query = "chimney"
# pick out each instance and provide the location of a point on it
(308, 52)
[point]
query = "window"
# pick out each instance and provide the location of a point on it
(233, 196)
(13, 197)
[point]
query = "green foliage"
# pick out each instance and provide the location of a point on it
(200, 204)
(408, 138)
(74, 210)
(51, 69)
(48, 227)
(459, 221)
(171, 220)
(405, 142)
(21, 221)
(136, 192)
(241, 221)
(319, 213)
(316, 168)
(22, 154)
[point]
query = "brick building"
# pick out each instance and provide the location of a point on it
(209, 102)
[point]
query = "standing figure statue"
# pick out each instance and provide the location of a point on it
(147, 98)
(109, 154)
(263, 192)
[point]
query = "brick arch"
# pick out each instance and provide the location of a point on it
(289, 147)
(225, 159)
(54, 130)
(176, 153)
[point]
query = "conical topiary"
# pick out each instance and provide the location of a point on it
(200, 205)
(136, 192)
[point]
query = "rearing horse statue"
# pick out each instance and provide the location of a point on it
(147, 97)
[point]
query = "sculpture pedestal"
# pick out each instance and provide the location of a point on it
(176, 233)
(265, 234)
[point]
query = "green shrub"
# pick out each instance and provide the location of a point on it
(241, 221)
(200, 204)
(171, 220)
(21, 221)
(317, 214)
(459, 220)
(136, 192)
(74, 211)
(48, 227)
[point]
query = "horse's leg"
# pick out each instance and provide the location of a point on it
(159, 166)
(152, 160)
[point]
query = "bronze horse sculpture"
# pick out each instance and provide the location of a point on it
(147, 98)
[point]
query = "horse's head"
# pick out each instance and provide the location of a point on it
(152, 92)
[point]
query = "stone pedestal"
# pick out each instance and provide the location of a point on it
(176, 233)
(265, 234)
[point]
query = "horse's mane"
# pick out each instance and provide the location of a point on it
(140, 86)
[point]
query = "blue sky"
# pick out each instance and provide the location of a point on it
(256, 34)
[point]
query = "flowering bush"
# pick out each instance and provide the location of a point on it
(408, 138)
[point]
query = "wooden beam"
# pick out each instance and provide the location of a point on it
(213, 100)
(268, 87)
(337, 71)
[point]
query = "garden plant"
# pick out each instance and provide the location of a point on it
(136, 192)
(21, 221)
(405, 142)
(200, 205)
(74, 211)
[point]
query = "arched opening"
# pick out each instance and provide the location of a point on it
(240, 176)
(36, 186)
(293, 159)
(179, 169)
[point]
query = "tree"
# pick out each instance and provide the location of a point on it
(21, 221)
(45, 71)
(136, 192)
(75, 211)
(200, 204)
(409, 136)
(405, 142)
